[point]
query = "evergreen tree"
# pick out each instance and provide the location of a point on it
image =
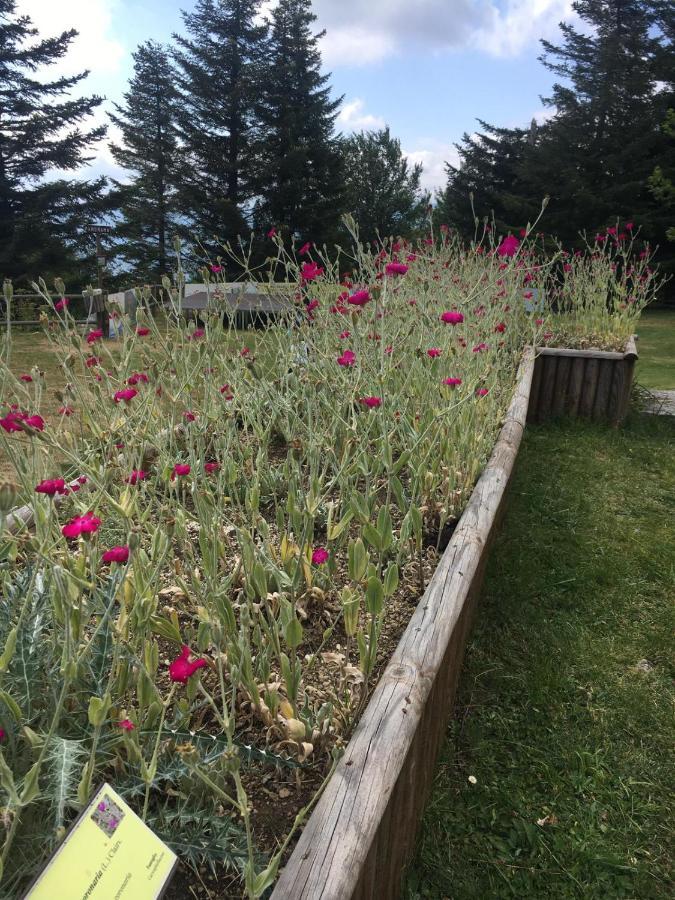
(220, 64)
(488, 171)
(41, 218)
(662, 180)
(383, 191)
(149, 151)
(300, 184)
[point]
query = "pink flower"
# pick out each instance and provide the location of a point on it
(359, 298)
(509, 246)
(136, 377)
(126, 725)
(142, 332)
(396, 268)
(304, 250)
(480, 347)
(345, 334)
(189, 416)
(452, 317)
(94, 336)
(86, 524)
(371, 402)
(452, 382)
(629, 226)
(91, 361)
(211, 467)
(523, 232)
(136, 476)
(196, 334)
(320, 556)
(611, 229)
(51, 486)
(500, 328)
(2, 735)
(482, 392)
(310, 271)
(181, 669)
(66, 410)
(434, 352)
(216, 269)
(36, 422)
(312, 305)
(180, 470)
(116, 555)
(26, 378)
(347, 359)
(62, 304)
(11, 423)
(538, 321)
(272, 232)
(127, 395)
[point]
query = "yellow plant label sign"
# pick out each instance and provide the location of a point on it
(109, 854)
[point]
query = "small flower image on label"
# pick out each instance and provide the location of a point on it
(107, 815)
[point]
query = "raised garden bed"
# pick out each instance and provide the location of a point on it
(590, 384)
(358, 839)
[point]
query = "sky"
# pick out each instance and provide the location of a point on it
(427, 68)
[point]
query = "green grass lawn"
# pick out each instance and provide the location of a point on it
(568, 733)
(656, 347)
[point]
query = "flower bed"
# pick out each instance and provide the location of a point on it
(236, 535)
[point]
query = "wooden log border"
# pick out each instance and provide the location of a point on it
(591, 384)
(360, 836)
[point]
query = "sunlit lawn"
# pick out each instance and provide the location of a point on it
(656, 348)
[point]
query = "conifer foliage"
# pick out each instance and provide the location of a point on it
(149, 152)
(43, 131)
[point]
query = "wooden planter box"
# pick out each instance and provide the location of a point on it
(590, 384)
(360, 836)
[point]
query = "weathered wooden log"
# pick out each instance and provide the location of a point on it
(575, 385)
(548, 374)
(562, 377)
(361, 833)
(589, 388)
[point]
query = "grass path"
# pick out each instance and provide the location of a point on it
(656, 346)
(564, 715)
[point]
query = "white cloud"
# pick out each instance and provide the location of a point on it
(94, 48)
(353, 118)
(359, 33)
(433, 155)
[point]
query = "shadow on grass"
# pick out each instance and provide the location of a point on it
(564, 714)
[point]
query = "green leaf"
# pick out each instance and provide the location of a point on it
(335, 531)
(166, 629)
(391, 580)
(11, 704)
(358, 560)
(372, 535)
(293, 633)
(374, 596)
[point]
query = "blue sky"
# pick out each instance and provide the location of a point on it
(427, 68)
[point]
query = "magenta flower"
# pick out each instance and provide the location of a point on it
(272, 232)
(3, 735)
(452, 382)
(94, 336)
(482, 392)
(509, 246)
(51, 486)
(479, 348)
(359, 298)
(371, 402)
(62, 304)
(216, 269)
(320, 556)
(86, 524)
(452, 317)
(180, 470)
(312, 305)
(91, 361)
(11, 423)
(310, 271)
(189, 416)
(26, 378)
(629, 226)
(142, 332)
(304, 250)
(196, 334)
(500, 327)
(116, 555)
(127, 395)
(396, 268)
(137, 377)
(126, 725)
(434, 352)
(345, 334)
(66, 410)
(181, 669)
(347, 359)
(211, 467)
(136, 476)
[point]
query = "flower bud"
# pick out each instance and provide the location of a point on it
(59, 286)
(8, 493)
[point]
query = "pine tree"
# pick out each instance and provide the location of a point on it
(383, 191)
(41, 218)
(488, 172)
(149, 151)
(219, 64)
(300, 182)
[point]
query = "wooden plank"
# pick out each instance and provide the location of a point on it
(562, 376)
(602, 394)
(534, 392)
(580, 354)
(363, 828)
(544, 406)
(588, 388)
(575, 386)
(617, 392)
